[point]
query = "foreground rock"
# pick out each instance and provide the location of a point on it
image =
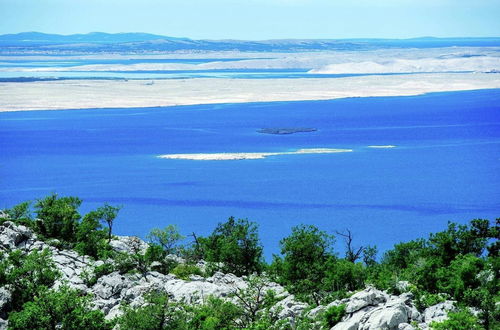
(367, 309)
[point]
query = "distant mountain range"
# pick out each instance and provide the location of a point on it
(144, 42)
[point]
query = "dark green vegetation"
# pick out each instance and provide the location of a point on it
(460, 263)
(284, 131)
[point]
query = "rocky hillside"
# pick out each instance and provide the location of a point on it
(366, 309)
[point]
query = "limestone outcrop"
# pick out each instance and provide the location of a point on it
(365, 310)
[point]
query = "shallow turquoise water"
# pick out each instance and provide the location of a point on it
(446, 165)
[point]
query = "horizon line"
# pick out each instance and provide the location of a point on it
(260, 39)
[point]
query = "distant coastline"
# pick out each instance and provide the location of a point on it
(90, 94)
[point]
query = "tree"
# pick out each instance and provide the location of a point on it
(344, 275)
(21, 213)
(303, 265)
(255, 299)
(167, 238)
(235, 244)
(107, 214)
(58, 217)
(90, 235)
(352, 254)
(58, 309)
(370, 255)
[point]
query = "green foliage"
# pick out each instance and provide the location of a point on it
(53, 309)
(158, 313)
(333, 315)
(90, 277)
(255, 300)
(168, 238)
(215, 314)
(183, 271)
(306, 252)
(27, 274)
(107, 214)
(235, 244)
(460, 239)
(21, 214)
(370, 255)
(424, 299)
(91, 237)
(461, 320)
(343, 275)
(58, 217)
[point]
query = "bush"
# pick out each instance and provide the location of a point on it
(90, 278)
(333, 315)
(215, 314)
(27, 274)
(91, 237)
(183, 271)
(21, 214)
(58, 217)
(235, 244)
(64, 309)
(461, 320)
(302, 269)
(157, 313)
(168, 238)
(343, 275)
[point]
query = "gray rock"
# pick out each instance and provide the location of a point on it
(386, 318)
(438, 312)
(5, 299)
(405, 326)
(4, 324)
(128, 244)
(111, 286)
(367, 297)
(12, 235)
(289, 307)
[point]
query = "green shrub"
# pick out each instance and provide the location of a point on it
(90, 278)
(168, 238)
(302, 269)
(215, 314)
(158, 313)
(27, 274)
(461, 320)
(183, 271)
(21, 214)
(344, 275)
(333, 315)
(58, 217)
(58, 309)
(235, 245)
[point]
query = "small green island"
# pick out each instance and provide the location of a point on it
(286, 130)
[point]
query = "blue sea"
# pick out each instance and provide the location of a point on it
(445, 166)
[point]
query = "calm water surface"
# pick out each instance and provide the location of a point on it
(446, 164)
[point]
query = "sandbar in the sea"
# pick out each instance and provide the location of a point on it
(250, 155)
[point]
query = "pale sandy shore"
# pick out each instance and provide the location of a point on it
(251, 155)
(83, 94)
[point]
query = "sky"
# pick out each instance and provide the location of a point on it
(257, 19)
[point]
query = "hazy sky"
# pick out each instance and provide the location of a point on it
(256, 19)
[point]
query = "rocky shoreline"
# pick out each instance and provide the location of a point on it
(366, 309)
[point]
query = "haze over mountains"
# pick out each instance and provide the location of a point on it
(131, 42)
